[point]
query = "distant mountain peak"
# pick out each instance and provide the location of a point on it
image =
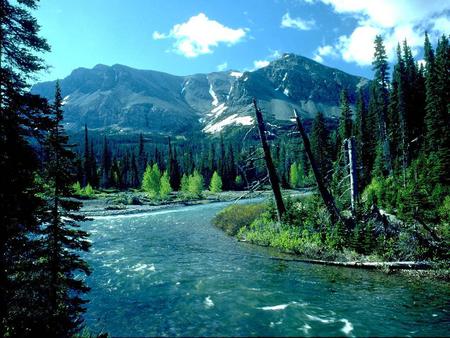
(122, 98)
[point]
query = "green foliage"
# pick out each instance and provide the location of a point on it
(294, 179)
(165, 188)
(284, 237)
(88, 191)
(216, 183)
(77, 190)
(235, 217)
(185, 184)
(239, 182)
(320, 146)
(195, 184)
(151, 181)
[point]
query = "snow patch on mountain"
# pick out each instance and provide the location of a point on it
(215, 100)
(232, 119)
(216, 112)
(65, 100)
(237, 75)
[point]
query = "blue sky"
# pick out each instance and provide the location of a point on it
(198, 36)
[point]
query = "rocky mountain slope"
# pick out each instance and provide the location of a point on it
(120, 99)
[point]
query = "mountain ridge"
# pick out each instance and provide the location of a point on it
(122, 99)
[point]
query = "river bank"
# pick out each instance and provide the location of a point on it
(137, 202)
(302, 235)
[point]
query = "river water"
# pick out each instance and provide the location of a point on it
(171, 272)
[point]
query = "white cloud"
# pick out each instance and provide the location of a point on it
(222, 66)
(260, 64)
(297, 23)
(158, 36)
(395, 21)
(318, 58)
(322, 51)
(199, 35)
(276, 54)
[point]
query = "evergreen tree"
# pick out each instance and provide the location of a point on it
(63, 239)
(184, 186)
(361, 136)
(106, 164)
(216, 183)
(195, 185)
(174, 169)
(94, 170)
(345, 120)
(20, 113)
(151, 181)
(142, 156)
(380, 86)
(165, 187)
(87, 159)
(320, 146)
(294, 176)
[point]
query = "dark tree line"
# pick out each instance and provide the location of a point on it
(40, 240)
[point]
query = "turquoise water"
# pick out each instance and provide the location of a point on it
(172, 273)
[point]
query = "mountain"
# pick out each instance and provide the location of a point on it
(120, 99)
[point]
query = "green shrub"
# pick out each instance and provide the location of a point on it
(235, 217)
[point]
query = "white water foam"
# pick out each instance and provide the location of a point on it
(322, 320)
(280, 307)
(143, 267)
(305, 328)
(208, 302)
(348, 327)
(275, 307)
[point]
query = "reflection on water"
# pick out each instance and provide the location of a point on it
(172, 273)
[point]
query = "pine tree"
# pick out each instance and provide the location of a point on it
(165, 187)
(345, 127)
(174, 169)
(293, 176)
(361, 136)
(20, 113)
(216, 183)
(86, 159)
(184, 186)
(63, 238)
(320, 146)
(142, 156)
(195, 185)
(106, 164)
(380, 97)
(151, 181)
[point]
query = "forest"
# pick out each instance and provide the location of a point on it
(402, 137)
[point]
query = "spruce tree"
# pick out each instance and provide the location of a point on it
(106, 164)
(361, 136)
(165, 187)
(86, 159)
(381, 100)
(320, 146)
(20, 113)
(293, 175)
(345, 127)
(63, 238)
(216, 183)
(174, 169)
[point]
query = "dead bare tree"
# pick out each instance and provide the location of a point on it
(326, 195)
(269, 164)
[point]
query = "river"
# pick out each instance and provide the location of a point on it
(170, 272)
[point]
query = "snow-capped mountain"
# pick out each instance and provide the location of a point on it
(127, 100)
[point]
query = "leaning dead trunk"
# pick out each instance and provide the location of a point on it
(326, 195)
(269, 163)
